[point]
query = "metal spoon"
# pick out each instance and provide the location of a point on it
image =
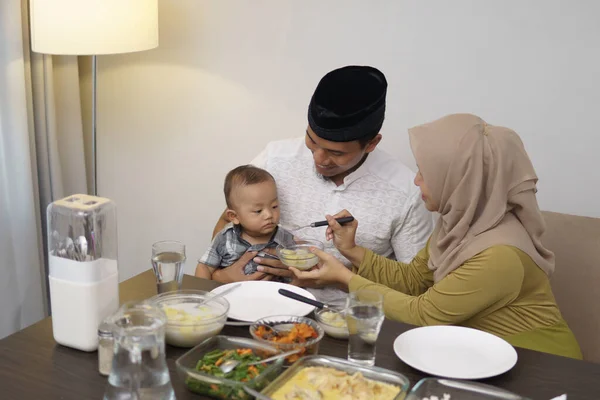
(63, 253)
(341, 221)
(275, 331)
(306, 300)
(82, 246)
(229, 365)
(57, 242)
(216, 296)
(70, 248)
(245, 323)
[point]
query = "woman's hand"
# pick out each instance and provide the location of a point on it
(330, 269)
(343, 236)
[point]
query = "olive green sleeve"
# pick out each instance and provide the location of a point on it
(491, 279)
(413, 278)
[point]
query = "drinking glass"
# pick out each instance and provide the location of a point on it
(364, 315)
(139, 368)
(168, 260)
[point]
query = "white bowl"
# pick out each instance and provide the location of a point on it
(333, 326)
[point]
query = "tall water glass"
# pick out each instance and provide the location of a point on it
(139, 368)
(364, 316)
(168, 260)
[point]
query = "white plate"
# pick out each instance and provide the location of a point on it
(455, 352)
(259, 299)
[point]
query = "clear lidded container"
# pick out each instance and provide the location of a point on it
(82, 228)
(83, 272)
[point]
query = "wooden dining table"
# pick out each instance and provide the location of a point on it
(34, 366)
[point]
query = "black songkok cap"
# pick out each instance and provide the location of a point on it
(348, 104)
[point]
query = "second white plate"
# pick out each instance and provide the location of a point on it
(259, 299)
(455, 352)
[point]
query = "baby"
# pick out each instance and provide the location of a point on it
(253, 209)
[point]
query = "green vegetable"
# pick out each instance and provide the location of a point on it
(209, 365)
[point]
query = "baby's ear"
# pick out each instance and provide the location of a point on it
(232, 216)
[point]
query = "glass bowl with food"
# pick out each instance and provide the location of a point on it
(298, 254)
(449, 389)
(191, 318)
(333, 322)
(325, 377)
(200, 369)
(289, 332)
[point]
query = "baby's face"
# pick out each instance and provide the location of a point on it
(257, 207)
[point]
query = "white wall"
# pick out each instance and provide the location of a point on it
(231, 75)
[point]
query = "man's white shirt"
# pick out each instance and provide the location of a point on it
(380, 194)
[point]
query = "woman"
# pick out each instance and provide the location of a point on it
(484, 265)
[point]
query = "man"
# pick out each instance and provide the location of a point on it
(337, 166)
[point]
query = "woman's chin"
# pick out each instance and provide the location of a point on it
(430, 207)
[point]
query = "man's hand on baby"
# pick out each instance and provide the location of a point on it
(235, 272)
(272, 266)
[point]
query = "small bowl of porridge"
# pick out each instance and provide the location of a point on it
(298, 255)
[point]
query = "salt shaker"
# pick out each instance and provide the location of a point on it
(105, 348)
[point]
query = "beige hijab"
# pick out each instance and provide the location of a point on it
(484, 183)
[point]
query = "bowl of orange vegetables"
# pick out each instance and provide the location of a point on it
(288, 332)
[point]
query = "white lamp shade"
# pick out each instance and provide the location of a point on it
(93, 27)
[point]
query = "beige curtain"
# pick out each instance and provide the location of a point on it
(41, 159)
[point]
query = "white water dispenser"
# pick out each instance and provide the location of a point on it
(83, 272)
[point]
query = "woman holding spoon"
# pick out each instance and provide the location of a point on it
(484, 266)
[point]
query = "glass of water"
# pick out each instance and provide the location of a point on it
(168, 260)
(364, 315)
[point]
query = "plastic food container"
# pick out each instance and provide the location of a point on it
(446, 389)
(83, 272)
(372, 373)
(187, 324)
(298, 254)
(221, 388)
(284, 323)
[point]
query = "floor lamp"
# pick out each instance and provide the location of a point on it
(93, 27)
